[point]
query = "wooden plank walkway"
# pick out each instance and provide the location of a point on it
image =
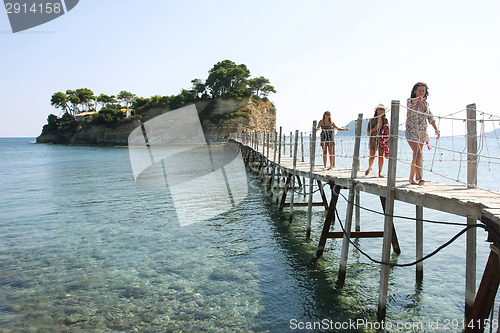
(449, 198)
(467, 201)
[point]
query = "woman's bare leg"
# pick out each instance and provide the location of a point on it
(330, 150)
(325, 148)
(380, 162)
(370, 162)
(420, 158)
(413, 169)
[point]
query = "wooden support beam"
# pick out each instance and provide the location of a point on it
(419, 241)
(294, 173)
(262, 167)
(330, 217)
(278, 186)
(357, 234)
(350, 205)
(357, 210)
(470, 269)
(394, 236)
(285, 191)
(306, 204)
(304, 186)
(485, 297)
(322, 192)
(299, 182)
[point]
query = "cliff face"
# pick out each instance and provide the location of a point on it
(92, 135)
(219, 117)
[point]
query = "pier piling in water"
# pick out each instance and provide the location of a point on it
(471, 237)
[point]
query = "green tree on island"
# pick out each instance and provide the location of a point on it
(260, 86)
(83, 96)
(226, 79)
(74, 100)
(105, 100)
(126, 97)
(199, 89)
(60, 100)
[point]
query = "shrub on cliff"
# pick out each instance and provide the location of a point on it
(52, 124)
(67, 123)
(107, 116)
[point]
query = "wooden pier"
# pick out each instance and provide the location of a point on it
(263, 152)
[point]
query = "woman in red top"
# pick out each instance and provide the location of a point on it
(377, 130)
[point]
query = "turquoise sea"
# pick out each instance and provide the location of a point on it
(85, 249)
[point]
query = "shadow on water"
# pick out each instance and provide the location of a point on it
(319, 299)
(319, 303)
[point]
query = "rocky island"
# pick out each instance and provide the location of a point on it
(227, 102)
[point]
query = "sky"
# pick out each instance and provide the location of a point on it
(341, 56)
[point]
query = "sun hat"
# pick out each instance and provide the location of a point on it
(380, 106)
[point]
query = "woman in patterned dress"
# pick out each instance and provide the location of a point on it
(327, 126)
(417, 116)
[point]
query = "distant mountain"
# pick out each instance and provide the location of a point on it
(495, 133)
(351, 129)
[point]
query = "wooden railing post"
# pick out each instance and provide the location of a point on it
(267, 146)
(284, 144)
(471, 146)
(294, 172)
(279, 149)
(333, 149)
(263, 143)
(389, 211)
(471, 238)
(278, 169)
(312, 153)
(350, 205)
(291, 135)
(302, 146)
(273, 172)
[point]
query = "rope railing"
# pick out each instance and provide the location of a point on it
(454, 150)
